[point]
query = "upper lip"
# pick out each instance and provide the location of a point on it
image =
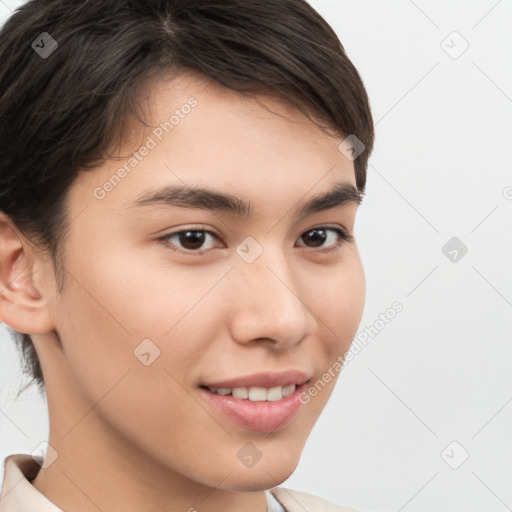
(264, 380)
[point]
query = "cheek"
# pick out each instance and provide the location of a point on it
(134, 292)
(341, 303)
(108, 307)
(122, 311)
(103, 322)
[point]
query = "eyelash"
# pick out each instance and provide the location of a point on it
(343, 237)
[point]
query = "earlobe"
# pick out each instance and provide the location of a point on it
(22, 305)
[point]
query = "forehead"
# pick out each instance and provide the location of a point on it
(223, 110)
(203, 134)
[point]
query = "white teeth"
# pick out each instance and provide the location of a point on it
(274, 394)
(240, 392)
(257, 394)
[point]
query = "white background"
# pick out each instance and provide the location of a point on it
(441, 370)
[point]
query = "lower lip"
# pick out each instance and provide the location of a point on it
(257, 416)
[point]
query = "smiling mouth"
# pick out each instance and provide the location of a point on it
(256, 408)
(259, 387)
(255, 393)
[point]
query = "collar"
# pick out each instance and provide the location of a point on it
(17, 492)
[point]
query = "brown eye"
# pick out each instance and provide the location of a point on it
(317, 237)
(190, 239)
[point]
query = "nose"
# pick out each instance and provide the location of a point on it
(267, 305)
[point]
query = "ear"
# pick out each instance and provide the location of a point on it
(24, 297)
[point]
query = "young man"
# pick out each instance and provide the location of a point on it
(179, 181)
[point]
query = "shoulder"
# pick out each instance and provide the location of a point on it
(298, 501)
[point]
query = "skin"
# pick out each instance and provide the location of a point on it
(133, 437)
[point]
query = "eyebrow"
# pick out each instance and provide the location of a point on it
(207, 199)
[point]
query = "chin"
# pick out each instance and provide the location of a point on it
(261, 476)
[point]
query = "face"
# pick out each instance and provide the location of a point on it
(165, 299)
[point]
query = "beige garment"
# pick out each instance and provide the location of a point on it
(19, 495)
